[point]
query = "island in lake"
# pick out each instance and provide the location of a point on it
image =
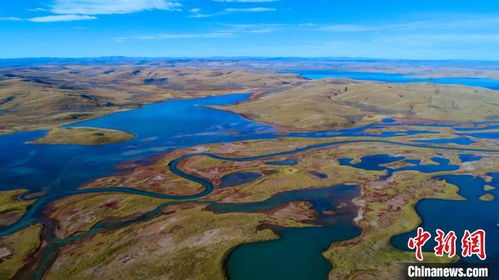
(84, 136)
(241, 169)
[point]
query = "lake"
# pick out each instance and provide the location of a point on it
(396, 78)
(59, 170)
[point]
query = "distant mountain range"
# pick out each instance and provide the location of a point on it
(197, 61)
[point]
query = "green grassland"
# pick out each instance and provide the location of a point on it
(77, 214)
(155, 177)
(187, 241)
(12, 208)
(47, 97)
(84, 136)
(16, 248)
(333, 104)
(187, 244)
(371, 255)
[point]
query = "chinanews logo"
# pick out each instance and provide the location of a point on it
(472, 243)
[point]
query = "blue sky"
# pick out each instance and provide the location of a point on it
(419, 29)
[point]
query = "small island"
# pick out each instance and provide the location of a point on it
(84, 136)
(489, 188)
(487, 197)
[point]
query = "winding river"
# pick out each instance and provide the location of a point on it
(52, 172)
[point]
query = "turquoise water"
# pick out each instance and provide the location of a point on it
(296, 255)
(59, 170)
(396, 78)
(459, 215)
(159, 128)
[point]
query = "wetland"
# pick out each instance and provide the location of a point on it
(301, 200)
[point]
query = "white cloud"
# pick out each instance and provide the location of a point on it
(345, 28)
(246, 1)
(250, 10)
(447, 39)
(10, 19)
(38, 10)
(228, 31)
(233, 10)
(201, 15)
(253, 28)
(164, 36)
(58, 18)
(456, 22)
(195, 10)
(71, 10)
(446, 23)
(100, 7)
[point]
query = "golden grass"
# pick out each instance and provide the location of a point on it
(20, 245)
(78, 213)
(188, 244)
(9, 201)
(46, 97)
(487, 197)
(186, 241)
(332, 104)
(371, 255)
(84, 136)
(11, 208)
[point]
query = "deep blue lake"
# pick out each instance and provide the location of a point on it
(159, 128)
(459, 215)
(238, 178)
(376, 162)
(296, 255)
(396, 78)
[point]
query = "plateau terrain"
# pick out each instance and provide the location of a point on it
(241, 168)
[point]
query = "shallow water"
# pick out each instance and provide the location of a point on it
(459, 215)
(159, 128)
(318, 174)
(296, 254)
(377, 162)
(59, 170)
(289, 161)
(469, 157)
(486, 135)
(238, 178)
(459, 141)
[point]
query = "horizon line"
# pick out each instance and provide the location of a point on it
(245, 57)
